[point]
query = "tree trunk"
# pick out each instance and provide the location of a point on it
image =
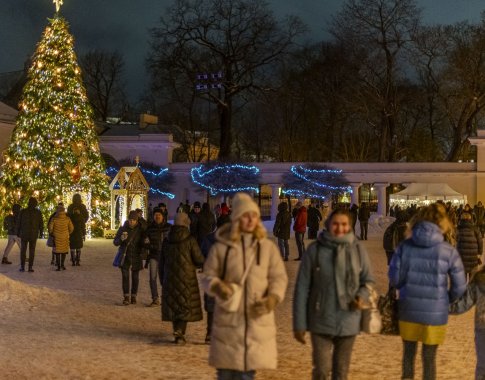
(225, 124)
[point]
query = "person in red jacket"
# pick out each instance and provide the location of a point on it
(300, 228)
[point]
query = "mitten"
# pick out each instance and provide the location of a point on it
(265, 306)
(357, 304)
(222, 289)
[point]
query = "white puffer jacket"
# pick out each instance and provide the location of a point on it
(238, 341)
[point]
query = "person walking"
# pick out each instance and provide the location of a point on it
(30, 226)
(130, 240)
(354, 212)
(300, 228)
(79, 216)
(244, 341)
(469, 243)
(281, 229)
(156, 233)
(225, 215)
(475, 295)
(479, 212)
(331, 289)
(61, 228)
(395, 233)
(313, 221)
(364, 216)
(206, 223)
(10, 225)
(428, 273)
(179, 260)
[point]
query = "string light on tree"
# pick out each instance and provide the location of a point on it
(226, 178)
(314, 181)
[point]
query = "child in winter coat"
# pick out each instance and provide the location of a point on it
(475, 295)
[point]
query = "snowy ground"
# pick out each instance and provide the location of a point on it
(71, 325)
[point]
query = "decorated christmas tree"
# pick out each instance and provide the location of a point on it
(54, 150)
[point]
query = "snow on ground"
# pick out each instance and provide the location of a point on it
(71, 325)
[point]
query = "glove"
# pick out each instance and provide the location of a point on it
(222, 289)
(299, 336)
(264, 306)
(357, 304)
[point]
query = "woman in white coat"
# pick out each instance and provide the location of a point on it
(245, 340)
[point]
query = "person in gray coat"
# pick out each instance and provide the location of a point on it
(330, 291)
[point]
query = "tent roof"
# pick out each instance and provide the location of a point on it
(429, 189)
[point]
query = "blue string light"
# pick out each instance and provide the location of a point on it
(199, 175)
(306, 172)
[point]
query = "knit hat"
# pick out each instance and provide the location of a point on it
(133, 215)
(182, 219)
(241, 204)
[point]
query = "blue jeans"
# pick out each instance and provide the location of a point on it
(480, 348)
(153, 265)
(300, 243)
(284, 248)
(230, 374)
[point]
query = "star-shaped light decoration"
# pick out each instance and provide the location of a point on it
(58, 4)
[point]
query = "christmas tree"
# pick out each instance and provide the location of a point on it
(54, 150)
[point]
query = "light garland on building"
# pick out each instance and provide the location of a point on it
(304, 174)
(224, 173)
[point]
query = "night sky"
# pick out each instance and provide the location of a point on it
(122, 25)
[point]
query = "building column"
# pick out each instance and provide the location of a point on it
(381, 198)
(354, 197)
(275, 200)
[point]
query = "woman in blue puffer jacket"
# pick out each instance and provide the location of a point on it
(421, 269)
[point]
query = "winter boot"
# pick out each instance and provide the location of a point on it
(31, 269)
(179, 338)
(5, 261)
(155, 302)
(22, 269)
(133, 299)
(126, 300)
(78, 258)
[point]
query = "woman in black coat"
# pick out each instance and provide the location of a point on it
(281, 229)
(469, 243)
(130, 239)
(79, 216)
(179, 260)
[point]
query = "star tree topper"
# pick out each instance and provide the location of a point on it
(58, 4)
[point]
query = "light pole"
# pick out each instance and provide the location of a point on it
(205, 83)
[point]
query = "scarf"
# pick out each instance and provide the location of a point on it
(346, 266)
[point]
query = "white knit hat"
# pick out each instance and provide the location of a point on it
(242, 203)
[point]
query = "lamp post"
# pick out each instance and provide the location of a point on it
(205, 82)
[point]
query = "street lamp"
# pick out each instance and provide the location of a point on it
(205, 83)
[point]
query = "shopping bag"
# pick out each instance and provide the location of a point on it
(389, 313)
(371, 321)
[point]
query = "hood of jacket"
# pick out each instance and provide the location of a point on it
(178, 234)
(427, 234)
(283, 206)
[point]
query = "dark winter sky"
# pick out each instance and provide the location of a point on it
(122, 25)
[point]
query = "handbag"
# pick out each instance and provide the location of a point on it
(389, 313)
(50, 241)
(371, 321)
(231, 304)
(119, 257)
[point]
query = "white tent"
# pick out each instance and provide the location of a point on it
(426, 193)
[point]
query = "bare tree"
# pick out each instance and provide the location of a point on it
(239, 38)
(102, 74)
(376, 32)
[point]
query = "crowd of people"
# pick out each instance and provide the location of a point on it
(429, 251)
